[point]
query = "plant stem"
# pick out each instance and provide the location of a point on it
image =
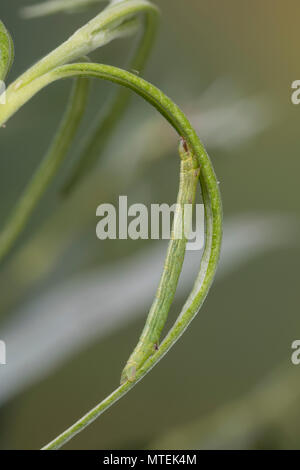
(114, 22)
(47, 168)
(211, 198)
(97, 32)
(104, 124)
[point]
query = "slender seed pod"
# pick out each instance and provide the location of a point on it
(6, 51)
(149, 340)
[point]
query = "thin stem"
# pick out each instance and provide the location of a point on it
(114, 22)
(48, 168)
(96, 33)
(192, 306)
(104, 124)
(211, 198)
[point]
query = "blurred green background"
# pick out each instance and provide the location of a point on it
(229, 382)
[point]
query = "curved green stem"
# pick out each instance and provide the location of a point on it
(48, 168)
(117, 20)
(97, 32)
(114, 22)
(211, 197)
(104, 123)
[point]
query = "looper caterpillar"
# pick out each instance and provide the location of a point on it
(149, 340)
(56, 66)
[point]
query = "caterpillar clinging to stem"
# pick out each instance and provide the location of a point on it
(147, 354)
(149, 339)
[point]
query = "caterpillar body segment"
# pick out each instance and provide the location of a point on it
(149, 339)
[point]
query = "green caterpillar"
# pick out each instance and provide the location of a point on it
(149, 339)
(6, 51)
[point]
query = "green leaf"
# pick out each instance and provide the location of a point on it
(6, 51)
